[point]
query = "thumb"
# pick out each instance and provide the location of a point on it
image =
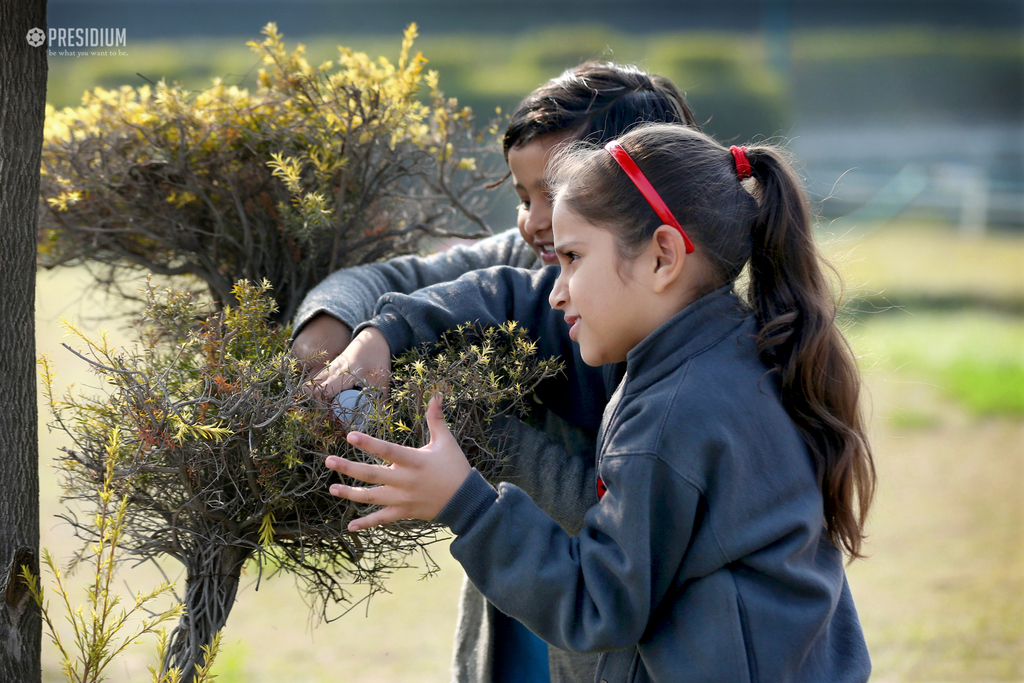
(435, 419)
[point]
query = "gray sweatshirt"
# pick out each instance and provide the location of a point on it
(706, 559)
(554, 464)
(351, 294)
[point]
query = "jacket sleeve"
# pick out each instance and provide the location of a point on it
(593, 592)
(486, 297)
(491, 297)
(350, 294)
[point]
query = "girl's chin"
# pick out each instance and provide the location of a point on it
(590, 356)
(596, 357)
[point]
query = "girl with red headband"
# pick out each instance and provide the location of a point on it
(733, 469)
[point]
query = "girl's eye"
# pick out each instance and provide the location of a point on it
(524, 205)
(568, 256)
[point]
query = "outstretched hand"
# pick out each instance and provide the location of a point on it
(417, 483)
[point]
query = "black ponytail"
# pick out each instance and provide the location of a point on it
(796, 314)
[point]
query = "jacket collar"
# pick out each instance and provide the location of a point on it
(690, 331)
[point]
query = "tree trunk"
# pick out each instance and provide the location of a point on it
(211, 585)
(22, 111)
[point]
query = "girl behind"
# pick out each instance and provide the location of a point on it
(733, 467)
(595, 101)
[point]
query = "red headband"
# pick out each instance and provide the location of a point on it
(739, 155)
(625, 161)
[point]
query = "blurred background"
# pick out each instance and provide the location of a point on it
(907, 120)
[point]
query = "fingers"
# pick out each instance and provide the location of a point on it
(384, 496)
(377, 495)
(333, 379)
(388, 497)
(371, 474)
(312, 361)
(366, 360)
(385, 516)
(321, 339)
(435, 419)
(435, 413)
(416, 484)
(369, 356)
(368, 495)
(385, 450)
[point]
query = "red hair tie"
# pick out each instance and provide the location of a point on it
(627, 164)
(739, 155)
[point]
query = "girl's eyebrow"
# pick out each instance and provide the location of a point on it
(544, 185)
(560, 248)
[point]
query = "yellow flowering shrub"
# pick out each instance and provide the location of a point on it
(321, 167)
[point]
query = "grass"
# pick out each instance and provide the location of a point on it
(987, 388)
(940, 595)
(927, 263)
(975, 354)
(975, 358)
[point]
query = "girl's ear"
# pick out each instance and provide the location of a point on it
(669, 252)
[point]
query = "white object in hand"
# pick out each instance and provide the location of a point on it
(350, 407)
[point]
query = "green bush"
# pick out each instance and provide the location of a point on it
(209, 436)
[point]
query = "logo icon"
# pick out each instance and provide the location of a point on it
(36, 37)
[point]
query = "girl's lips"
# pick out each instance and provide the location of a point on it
(574, 330)
(547, 253)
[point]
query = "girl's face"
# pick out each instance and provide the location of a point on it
(527, 164)
(605, 299)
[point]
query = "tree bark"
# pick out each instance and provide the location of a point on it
(22, 111)
(213, 574)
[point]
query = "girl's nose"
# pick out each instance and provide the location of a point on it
(538, 220)
(559, 296)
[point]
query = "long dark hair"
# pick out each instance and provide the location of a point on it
(596, 101)
(765, 223)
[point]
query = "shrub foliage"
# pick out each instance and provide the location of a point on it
(220, 449)
(320, 168)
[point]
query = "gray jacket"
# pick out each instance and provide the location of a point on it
(706, 559)
(555, 464)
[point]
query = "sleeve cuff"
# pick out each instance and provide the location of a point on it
(395, 329)
(302, 319)
(470, 502)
